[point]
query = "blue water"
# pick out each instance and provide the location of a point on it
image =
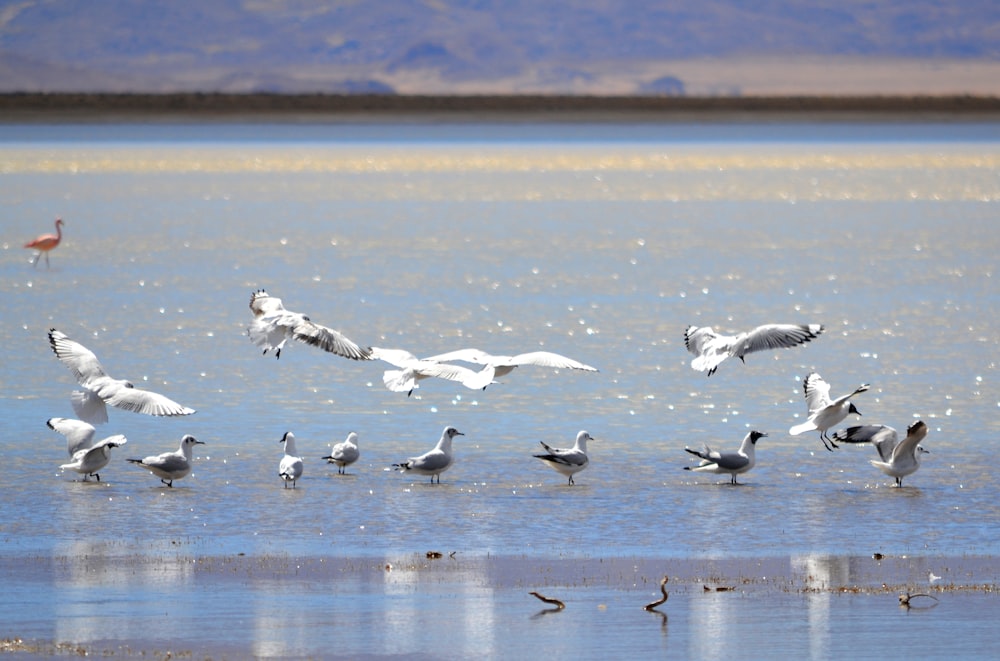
(601, 242)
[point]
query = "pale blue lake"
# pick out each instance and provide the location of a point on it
(599, 241)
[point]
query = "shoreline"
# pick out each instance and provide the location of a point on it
(32, 106)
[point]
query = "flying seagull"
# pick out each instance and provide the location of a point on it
(568, 461)
(823, 411)
(733, 463)
(273, 325)
(898, 458)
(99, 389)
(413, 369)
(710, 348)
(496, 366)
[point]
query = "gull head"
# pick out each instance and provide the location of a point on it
(289, 436)
(190, 440)
(756, 436)
(451, 432)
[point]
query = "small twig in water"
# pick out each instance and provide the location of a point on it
(558, 604)
(663, 589)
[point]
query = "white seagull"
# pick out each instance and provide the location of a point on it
(898, 458)
(345, 453)
(733, 463)
(100, 390)
(413, 369)
(273, 325)
(496, 366)
(170, 466)
(87, 455)
(290, 467)
(568, 461)
(823, 411)
(710, 348)
(434, 462)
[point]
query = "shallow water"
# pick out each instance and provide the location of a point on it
(601, 242)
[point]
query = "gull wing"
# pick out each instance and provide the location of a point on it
(262, 303)
(817, 392)
(145, 401)
(549, 359)
(79, 435)
(883, 437)
(696, 339)
(398, 357)
(80, 360)
(328, 339)
(914, 434)
(778, 336)
(433, 460)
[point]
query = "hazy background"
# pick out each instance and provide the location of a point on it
(690, 47)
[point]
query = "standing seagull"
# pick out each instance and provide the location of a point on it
(345, 453)
(170, 466)
(710, 348)
(273, 325)
(413, 369)
(899, 459)
(290, 467)
(45, 243)
(503, 365)
(733, 463)
(824, 412)
(567, 461)
(99, 389)
(434, 462)
(87, 455)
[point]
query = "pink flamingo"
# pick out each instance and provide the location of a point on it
(45, 243)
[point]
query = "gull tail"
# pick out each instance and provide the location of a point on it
(803, 428)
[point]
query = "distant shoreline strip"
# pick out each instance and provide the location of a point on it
(27, 105)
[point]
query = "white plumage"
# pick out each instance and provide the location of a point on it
(100, 390)
(434, 462)
(896, 458)
(171, 466)
(273, 325)
(568, 461)
(733, 463)
(344, 453)
(291, 465)
(87, 456)
(824, 412)
(711, 348)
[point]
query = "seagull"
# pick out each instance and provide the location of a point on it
(87, 455)
(170, 466)
(733, 463)
(824, 412)
(100, 390)
(898, 459)
(567, 461)
(344, 454)
(290, 466)
(413, 369)
(434, 462)
(273, 325)
(710, 348)
(503, 365)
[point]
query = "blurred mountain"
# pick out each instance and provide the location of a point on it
(496, 46)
